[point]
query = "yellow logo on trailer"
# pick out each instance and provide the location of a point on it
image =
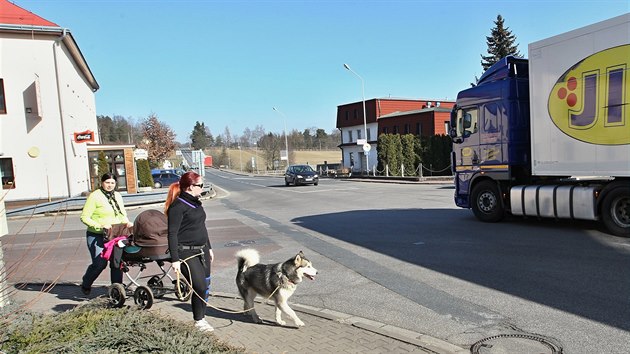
(591, 101)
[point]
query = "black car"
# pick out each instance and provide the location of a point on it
(164, 179)
(300, 174)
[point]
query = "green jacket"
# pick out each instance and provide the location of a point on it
(98, 212)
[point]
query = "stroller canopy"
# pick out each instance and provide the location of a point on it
(150, 229)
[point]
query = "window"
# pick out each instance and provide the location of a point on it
(466, 122)
(406, 128)
(349, 136)
(3, 106)
(359, 134)
(6, 172)
(368, 134)
(395, 130)
(347, 115)
(418, 128)
(385, 130)
(355, 114)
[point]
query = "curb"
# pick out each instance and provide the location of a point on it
(424, 341)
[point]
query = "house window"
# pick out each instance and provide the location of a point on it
(406, 128)
(349, 136)
(395, 129)
(347, 115)
(418, 128)
(368, 134)
(359, 134)
(355, 114)
(385, 130)
(3, 106)
(6, 172)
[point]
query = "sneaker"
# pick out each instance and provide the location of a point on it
(85, 291)
(203, 326)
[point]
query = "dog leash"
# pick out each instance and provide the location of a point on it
(188, 283)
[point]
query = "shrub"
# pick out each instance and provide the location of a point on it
(144, 173)
(93, 328)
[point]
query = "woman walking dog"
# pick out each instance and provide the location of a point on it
(188, 241)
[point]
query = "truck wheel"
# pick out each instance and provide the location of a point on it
(616, 211)
(486, 202)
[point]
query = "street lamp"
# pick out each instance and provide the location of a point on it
(286, 141)
(366, 146)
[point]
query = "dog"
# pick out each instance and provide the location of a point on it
(276, 281)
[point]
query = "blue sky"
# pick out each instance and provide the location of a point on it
(228, 63)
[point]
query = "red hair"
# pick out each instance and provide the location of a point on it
(187, 180)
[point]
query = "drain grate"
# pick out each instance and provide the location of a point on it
(516, 343)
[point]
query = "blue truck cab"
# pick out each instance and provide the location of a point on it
(490, 132)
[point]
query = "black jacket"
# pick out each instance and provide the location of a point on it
(186, 224)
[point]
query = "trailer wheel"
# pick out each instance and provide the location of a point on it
(616, 211)
(486, 202)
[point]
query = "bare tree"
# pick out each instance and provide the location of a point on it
(158, 139)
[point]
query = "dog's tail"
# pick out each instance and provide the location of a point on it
(247, 258)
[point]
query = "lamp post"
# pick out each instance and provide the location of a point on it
(286, 141)
(366, 146)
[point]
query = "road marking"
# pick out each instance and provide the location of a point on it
(418, 243)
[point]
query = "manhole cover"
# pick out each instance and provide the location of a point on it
(515, 343)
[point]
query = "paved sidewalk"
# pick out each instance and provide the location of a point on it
(325, 331)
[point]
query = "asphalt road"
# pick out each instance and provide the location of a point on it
(403, 254)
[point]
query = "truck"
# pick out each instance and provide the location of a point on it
(549, 136)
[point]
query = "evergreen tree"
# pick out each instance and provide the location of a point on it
(500, 44)
(103, 164)
(144, 173)
(199, 137)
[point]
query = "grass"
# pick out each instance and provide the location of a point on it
(94, 327)
(312, 157)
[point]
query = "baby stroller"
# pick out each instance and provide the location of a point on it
(148, 243)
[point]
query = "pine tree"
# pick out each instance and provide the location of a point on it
(500, 44)
(199, 136)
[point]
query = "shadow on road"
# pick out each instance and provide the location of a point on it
(554, 263)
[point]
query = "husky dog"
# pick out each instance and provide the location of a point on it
(277, 281)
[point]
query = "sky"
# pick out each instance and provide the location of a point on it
(228, 63)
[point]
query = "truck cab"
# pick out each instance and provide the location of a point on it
(490, 132)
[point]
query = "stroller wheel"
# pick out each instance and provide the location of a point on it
(143, 297)
(117, 295)
(157, 286)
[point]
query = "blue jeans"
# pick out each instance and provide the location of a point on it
(95, 243)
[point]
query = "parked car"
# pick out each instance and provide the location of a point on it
(300, 174)
(164, 179)
(176, 171)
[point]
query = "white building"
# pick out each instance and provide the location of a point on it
(47, 108)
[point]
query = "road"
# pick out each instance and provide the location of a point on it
(403, 254)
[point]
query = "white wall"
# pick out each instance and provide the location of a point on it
(27, 65)
(358, 149)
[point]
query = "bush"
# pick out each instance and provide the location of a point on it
(94, 328)
(144, 174)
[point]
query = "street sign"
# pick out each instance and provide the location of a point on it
(284, 155)
(367, 147)
(361, 141)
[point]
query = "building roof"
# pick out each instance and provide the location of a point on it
(11, 14)
(406, 113)
(14, 19)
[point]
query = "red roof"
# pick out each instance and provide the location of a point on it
(11, 14)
